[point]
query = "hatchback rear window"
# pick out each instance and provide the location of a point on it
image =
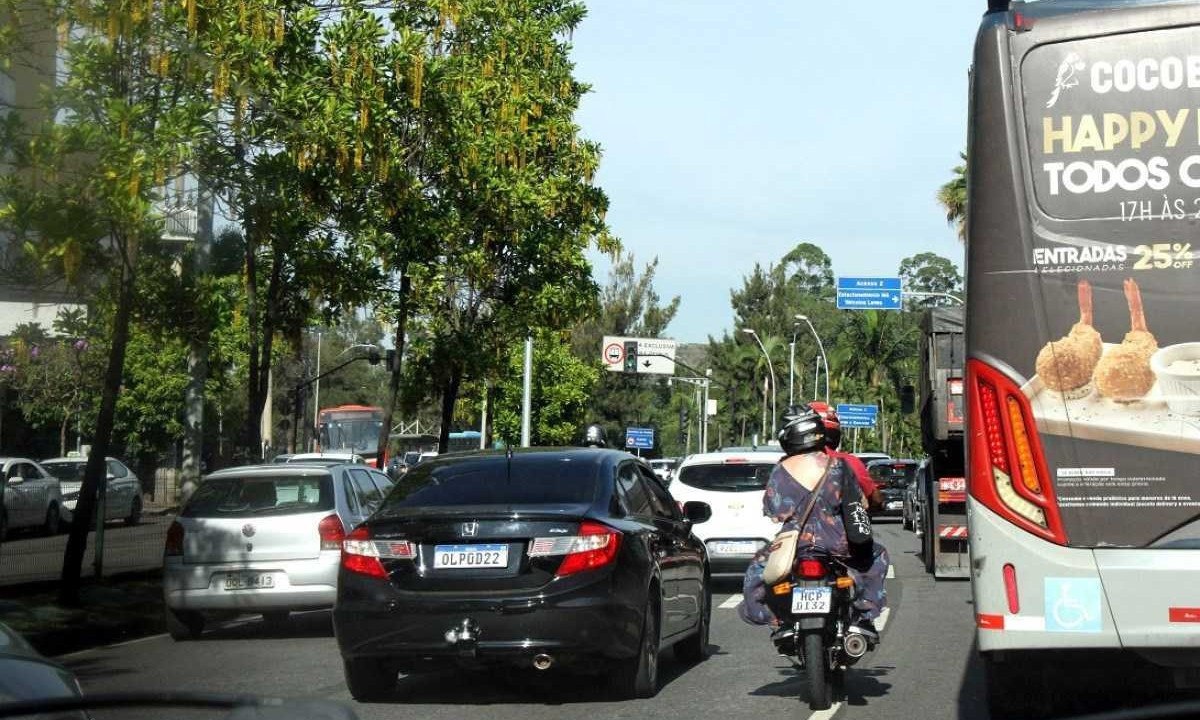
(253, 496)
(727, 478)
(488, 480)
(893, 475)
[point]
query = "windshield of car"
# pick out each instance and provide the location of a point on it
(892, 475)
(727, 477)
(66, 470)
(531, 480)
(260, 495)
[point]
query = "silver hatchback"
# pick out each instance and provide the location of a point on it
(263, 539)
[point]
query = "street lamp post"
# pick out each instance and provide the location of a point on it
(824, 358)
(771, 369)
(792, 366)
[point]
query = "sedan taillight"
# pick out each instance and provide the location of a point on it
(594, 547)
(332, 532)
(360, 556)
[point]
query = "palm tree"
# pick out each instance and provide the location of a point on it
(877, 348)
(953, 198)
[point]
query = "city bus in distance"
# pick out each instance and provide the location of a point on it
(350, 428)
(1083, 375)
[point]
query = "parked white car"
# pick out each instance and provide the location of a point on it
(123, 490)
(732, 483)
(32, 497)
(263, 539)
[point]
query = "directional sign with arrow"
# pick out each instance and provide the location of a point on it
(654, 356)
(869, 293)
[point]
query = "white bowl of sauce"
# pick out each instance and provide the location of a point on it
(1177, 368)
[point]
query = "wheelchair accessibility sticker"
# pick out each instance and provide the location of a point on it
(1073, 605)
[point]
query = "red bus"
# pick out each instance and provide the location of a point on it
(350, 428)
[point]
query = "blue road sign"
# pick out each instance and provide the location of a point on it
(869, 293)
(857, 416)
(639, 438)
(869, 283)
(868, 299)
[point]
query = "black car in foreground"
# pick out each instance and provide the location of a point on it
(540, 558)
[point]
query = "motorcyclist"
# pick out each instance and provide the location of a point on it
(839, 522)
(833, 440)
(594, 436)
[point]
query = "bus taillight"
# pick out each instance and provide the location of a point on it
(1008, 470)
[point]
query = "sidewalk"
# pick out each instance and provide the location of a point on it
(111, 610)
(27, 558)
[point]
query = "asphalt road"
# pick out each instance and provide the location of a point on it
(923, 668)
(26, 558)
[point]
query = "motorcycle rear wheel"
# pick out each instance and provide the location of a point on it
(816, 669)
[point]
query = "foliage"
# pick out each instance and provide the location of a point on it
(930, 273)
(952, 196)
(562, 388)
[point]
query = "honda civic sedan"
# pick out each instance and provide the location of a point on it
(578, 558)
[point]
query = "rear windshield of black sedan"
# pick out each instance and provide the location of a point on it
(894, 475)
(550, 480)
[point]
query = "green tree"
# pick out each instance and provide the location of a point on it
(562, 388)
(810, 271)
(89, 175)
(952, 196)
(930, 273)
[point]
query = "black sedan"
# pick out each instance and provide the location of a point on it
(539, 558)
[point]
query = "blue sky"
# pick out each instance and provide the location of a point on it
(734, 130)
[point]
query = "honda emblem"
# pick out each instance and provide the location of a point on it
(469, 529)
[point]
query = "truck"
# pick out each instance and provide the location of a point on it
(941, 483)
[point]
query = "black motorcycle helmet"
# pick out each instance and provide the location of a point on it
(802, 430)
(594, 437)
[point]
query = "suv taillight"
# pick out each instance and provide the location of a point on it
(811, 569)
(332, 532)
(594, 547)
(1008, 470)
(360, 556)
(174, 545)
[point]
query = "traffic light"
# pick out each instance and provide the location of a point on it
(393, 361)
(684, 417)
(631, 357)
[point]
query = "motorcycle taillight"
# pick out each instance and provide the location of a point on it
(811, 569)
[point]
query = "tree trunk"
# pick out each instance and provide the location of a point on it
(96, 470)
(251, 435)
(449, 400)
(62, 435)
(389, 410)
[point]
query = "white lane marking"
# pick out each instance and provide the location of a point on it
(826, 714)
(891, 573)
(135, 641)
(732, 602)
(882, 621)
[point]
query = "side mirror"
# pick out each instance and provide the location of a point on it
(697, 512)
(908, 399)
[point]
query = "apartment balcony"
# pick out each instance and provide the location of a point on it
(180, 222)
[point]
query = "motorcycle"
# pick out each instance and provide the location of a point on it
(813, 605)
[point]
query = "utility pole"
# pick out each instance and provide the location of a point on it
(193, 394)
(527, 392)
(317, 394)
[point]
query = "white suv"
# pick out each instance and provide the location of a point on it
(732, 483)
